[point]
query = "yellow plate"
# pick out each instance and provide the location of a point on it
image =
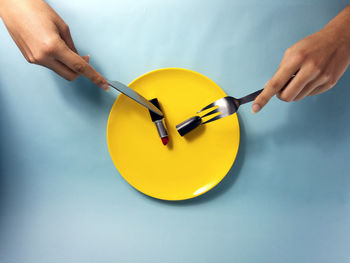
(188, 166)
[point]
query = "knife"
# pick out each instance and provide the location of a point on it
(134, 95)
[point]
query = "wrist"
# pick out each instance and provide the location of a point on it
(338, 29)
(337, 32)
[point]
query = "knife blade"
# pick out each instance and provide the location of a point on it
(134, 95)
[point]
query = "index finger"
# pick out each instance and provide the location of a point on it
(274, 85)
(80, 66)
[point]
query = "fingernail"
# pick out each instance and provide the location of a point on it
(105, 86)
(256, 108)
(86, 58)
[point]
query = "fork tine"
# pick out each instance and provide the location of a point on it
(213, 119)
(207, 107)
(211, 112)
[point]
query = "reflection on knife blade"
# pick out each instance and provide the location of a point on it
(134, 95)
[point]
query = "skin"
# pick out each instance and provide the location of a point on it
(318, 61)
(44, 39)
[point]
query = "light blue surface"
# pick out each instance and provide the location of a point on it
(62, 200)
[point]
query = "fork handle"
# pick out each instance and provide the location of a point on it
(249, 97)
(255, 94)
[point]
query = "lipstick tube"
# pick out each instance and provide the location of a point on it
(158, 121)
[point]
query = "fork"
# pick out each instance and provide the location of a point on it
(224, 106)
(227, 106)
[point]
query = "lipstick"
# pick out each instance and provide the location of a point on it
(158, 121)
(188, 125)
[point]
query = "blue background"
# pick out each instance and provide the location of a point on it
(286, 199)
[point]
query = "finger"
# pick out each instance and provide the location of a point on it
(302, 78)
(86, 58)
(81, 67)
(319, 81)
(61, 69)
(64, 32)
(320, 89)
(332, 74)
(274, 85)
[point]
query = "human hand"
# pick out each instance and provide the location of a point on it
(45, 39)
(318, 61)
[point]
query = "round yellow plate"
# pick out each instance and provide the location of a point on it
(188, 166)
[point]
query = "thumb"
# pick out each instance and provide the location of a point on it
(86, 58)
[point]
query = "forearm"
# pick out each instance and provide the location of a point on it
(339, 26)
